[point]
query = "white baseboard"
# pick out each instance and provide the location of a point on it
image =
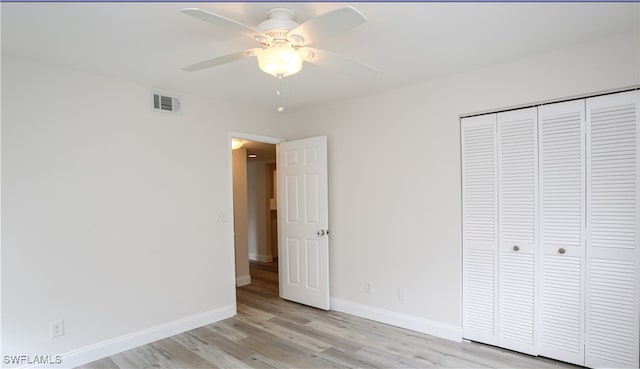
(243, 280)
(260, 257)
(119, 344)
(437, 329)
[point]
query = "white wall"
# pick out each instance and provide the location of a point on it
(241, 216)
(257, 200)
(394, 175)
(109, 211)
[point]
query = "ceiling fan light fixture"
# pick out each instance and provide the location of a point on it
(280, 60)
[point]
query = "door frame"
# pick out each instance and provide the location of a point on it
(248, 137)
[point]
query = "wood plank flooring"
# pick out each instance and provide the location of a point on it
(269, 332)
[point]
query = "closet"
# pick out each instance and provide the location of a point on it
(551, 261)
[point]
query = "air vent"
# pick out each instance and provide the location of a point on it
(165, 102)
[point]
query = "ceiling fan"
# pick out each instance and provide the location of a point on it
(285, 43)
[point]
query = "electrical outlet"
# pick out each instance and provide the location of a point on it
(222, 216)
(402, 294)
(368, 287)
(56, 328)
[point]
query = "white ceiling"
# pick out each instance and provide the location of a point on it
(407, 42)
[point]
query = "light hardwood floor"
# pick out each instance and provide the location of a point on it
(272, 333)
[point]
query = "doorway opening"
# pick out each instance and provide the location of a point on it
(255, 212)
(302, 226)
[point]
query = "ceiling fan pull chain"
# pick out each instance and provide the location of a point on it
(279, 92)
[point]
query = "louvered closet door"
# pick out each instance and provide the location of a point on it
(561, 186)
(479, 231)
(613, 273)
(518, 249)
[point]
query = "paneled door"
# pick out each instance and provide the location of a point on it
(303, 220)
(562, 222)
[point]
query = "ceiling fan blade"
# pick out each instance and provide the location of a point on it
(221, 21)
(338, 62)
(328, 24)
(220, 60)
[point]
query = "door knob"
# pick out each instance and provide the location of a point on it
(321, 233)
(561, 250)
(516, 247)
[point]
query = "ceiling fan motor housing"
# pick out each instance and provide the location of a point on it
(280, 22)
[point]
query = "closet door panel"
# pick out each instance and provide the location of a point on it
(517, 259)
(479, 217)
(613, 281)
(561, 166)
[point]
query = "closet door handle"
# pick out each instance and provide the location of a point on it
(561, 251)
(516, 248)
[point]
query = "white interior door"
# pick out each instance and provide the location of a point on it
(303, 220)
(613, 256)
(562, 220)
(479, 229)
(517, 224)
